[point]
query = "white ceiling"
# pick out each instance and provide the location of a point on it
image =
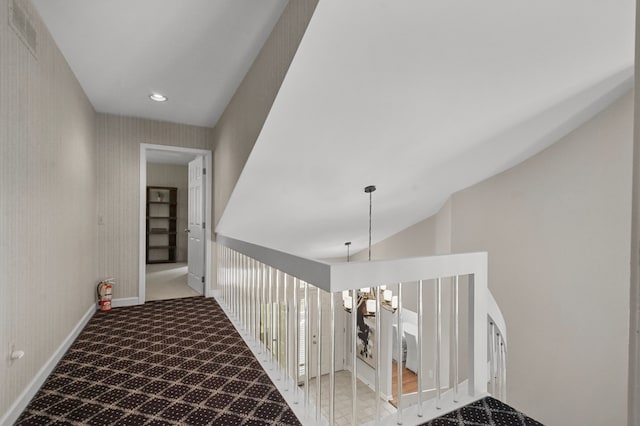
(196, 52)
(160, 156)
(422, 99)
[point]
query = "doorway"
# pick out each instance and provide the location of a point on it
(174, 241)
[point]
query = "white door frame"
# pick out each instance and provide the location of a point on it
(142, 274)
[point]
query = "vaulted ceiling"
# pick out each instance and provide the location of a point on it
(421, 98)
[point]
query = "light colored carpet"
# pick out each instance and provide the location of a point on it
(168, 281)
(344, 400)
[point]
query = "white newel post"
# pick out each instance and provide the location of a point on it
(478, 323)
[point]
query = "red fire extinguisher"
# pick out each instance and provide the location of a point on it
(104, 294)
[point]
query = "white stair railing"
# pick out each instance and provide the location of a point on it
(497, 356)
(290, 311)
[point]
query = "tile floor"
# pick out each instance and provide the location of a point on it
(167, 281)
(366, 406)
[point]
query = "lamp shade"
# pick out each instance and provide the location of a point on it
(348, 302)
(371, 306)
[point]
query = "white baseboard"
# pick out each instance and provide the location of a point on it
(125, 301)
(32, 388)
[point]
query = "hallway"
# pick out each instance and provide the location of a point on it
(171, 362)
(167, 281)
(182, 362)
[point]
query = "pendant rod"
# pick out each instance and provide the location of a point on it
(369, 190)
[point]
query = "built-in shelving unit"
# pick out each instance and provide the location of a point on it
(162, 208)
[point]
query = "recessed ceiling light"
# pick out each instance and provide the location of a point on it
(157, 97)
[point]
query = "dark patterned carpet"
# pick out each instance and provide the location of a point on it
(485, 412)
(173, 362)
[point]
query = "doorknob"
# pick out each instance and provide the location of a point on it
(186, 230)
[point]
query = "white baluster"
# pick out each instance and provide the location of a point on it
(492, 358)
(236, 294)
(455, 338)
(287, 341)
(332, 373)
(245, 273)
(307, 346)
(257, 307)
(277, 322)
(378, 351)
(354, 349)
(243, 290)
(438, 340)
(504, 369)
(296, 339)
(419, 342)
(270, 296)
(400, 354)
(265, 313)
(319, 354)
(252, 303)
(499, 368)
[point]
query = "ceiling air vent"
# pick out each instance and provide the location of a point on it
(22, 24)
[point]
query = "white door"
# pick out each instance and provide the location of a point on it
(196, 230)
(325, 338)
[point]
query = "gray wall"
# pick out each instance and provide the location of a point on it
(634, 317)
(176, 176)
(47, 204)
(65, 168)
(238, 128)
(118, 170)
(557, 229)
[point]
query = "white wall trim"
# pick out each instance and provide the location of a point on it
(309, 270)
(142, 271)
(32, 388)
(208, 161)
(209, 232)
(125, 301)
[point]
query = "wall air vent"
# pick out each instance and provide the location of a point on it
(21, 22)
